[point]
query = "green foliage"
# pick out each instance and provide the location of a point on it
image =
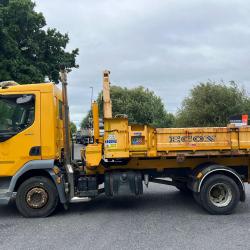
(28, 52)
(85, 122)
(139, 104)
(211, 104)
(73, 128)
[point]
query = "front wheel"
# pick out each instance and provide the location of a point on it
(37, 197)
(219, 194)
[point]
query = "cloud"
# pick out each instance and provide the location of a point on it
(165, 45)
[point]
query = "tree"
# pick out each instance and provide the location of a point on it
(73, 128)
(211, 104)
(139, 104)
(86, 122)
(28, 52)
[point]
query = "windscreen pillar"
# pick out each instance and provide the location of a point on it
(107, 105)
(95, 113)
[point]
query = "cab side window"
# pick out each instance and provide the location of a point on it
(17, 112)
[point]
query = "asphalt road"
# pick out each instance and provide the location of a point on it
(162, 218)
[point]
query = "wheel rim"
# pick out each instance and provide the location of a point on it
(220, 195)
(37, 197)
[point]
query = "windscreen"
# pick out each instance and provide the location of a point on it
(17, 112)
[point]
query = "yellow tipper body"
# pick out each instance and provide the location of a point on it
(44, 132)
(142, 147)
(159, 148)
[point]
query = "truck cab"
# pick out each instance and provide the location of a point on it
(31, 134)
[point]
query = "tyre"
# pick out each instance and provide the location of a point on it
(197, 197)
(219, 194)
(37, 197)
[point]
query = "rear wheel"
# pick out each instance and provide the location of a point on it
(219, 194)
(37, 197)
(197, 197)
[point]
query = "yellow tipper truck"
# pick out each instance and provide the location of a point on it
(211, 163)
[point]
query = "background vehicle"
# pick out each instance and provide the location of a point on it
(36, 168)
(79, 137)
(74, 137)
(88, 133)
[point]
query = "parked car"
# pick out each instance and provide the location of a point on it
(78, 137)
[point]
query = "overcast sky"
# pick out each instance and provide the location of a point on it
(167, 46)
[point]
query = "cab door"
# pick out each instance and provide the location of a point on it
(20, 140)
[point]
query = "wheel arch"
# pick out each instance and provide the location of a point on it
(38, 168)
(203, 174)
(31, 173)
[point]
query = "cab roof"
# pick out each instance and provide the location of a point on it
(42, 87)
